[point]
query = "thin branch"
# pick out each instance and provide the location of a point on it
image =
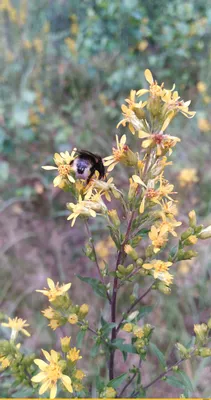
(127, 384)
(134, 304)
(166, 372)
(96, 260)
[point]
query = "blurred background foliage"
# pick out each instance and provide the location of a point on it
(65, 68)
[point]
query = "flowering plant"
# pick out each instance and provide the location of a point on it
(143, 228)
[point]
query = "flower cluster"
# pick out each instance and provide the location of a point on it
(62, 310)
(59, 370)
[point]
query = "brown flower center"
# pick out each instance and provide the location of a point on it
(64, 170)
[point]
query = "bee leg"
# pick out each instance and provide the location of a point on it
(92, 171)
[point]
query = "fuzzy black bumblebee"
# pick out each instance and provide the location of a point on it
(86, 163)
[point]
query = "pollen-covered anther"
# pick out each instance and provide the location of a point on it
(64, 170)
(158, 138)
(151, 193)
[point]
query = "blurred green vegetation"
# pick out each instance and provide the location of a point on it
(65, 69)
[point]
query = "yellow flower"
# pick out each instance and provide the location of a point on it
(54, 291)
(128, 327)
(154, 89)
(104, 188)
(17, 325)
(158, 237)
(71, 44)
(74, 355)
(64, 168)
(170, 225)
(138, 332)
(173, 103)
(143, 44)
(204, 125)
(187, 176)
(159, 268)
(121, 154)
(54, 324)
(5, 362)
(50, 374)
(49, 313)
(201, 86)
(133, 114)
(163, 143)
(73, 319)
(87, 207)
(79, 374)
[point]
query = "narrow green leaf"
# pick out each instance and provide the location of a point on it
(94, 350)
(186, 380)
(79, 338)
(116, 382)
(128, 348)
(154, 349)
(96, 285)
(171, 380)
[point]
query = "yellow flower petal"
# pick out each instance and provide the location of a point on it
(39, 377)
(51, 283)
(53, 392)
(41, 364)
(137, 179)
(71, 179)
(47, 355)
(44, 387)
(67, 382)
(142, 92)
(49, 167)
(57, 181)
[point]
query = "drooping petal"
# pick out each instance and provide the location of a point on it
(53, 392)
(25, 332)
(44, 387)
(137, 179)
(57, 180)
(67, 382)
(71, 179)
(142, 92)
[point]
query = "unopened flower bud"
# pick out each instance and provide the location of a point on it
(131, 252)
(163, 288)
(192, 239)
(187, 233)
(205, 233)
(183, 351)
(128, 327)
(186, 255)
(209, 323)
(65, 344)
(114, 218)
(201, 331)
(132, 190)
(138, 332)
(192, 218)
(205, 352)
(83, 311)
(147, 330)
(108, 392)
(139, 262)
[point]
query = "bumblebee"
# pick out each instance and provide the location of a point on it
(86, 164)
